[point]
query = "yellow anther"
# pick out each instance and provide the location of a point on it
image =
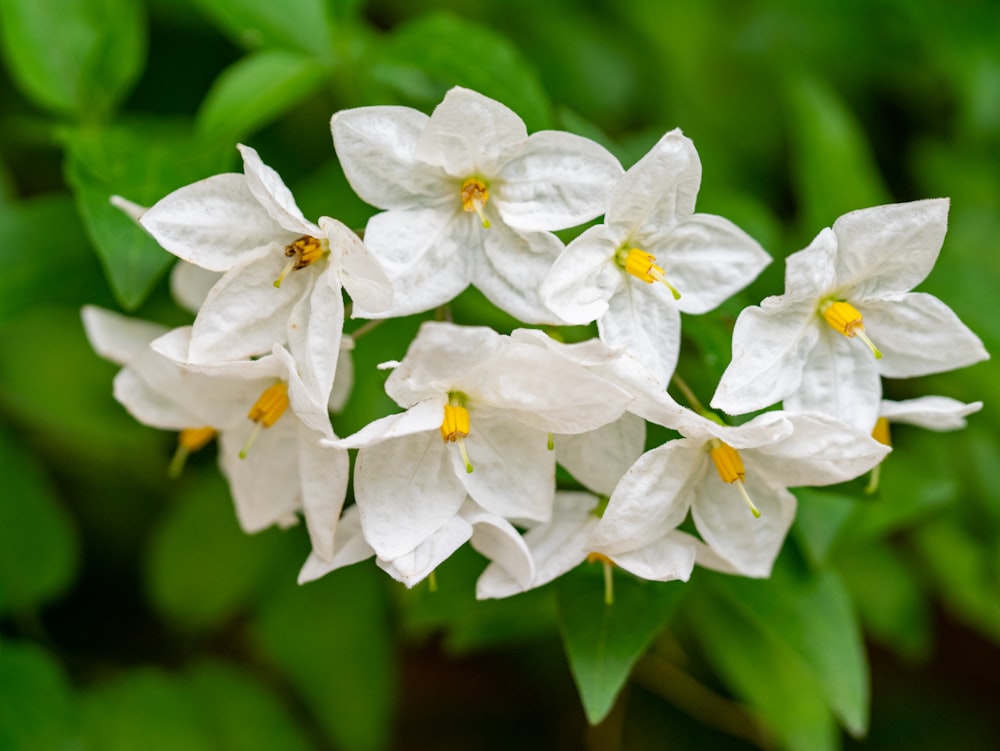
(265, 412)
(642, 265)
(881, 431)
(303, 252)
(847, 320)
(189, 440)
(475, 194)
(730, 468)
(455, 428)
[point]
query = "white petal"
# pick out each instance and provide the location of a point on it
(360, 271)
(750, 544)
(407, 490)
(214, 223)
(323, 474)
(118, 338)
(315, 325)
(763, 430)
(932, 412)
(659, 191)
(190, 284)
(420, 418)
(498, 540)
(413, 567)
(555, 181)
(840, 378)
(643, 319)
(652, 498)
(349, 548)
(376, 150)
(770, 347)
(583, 278)
(889, 249)
(708, 259)
(811, 273)
(469, 134)
(918, 334)
(670, 558)
(273, 195)
(599, 458)
(343, 378)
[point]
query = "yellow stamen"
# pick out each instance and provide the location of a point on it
(730, 468)
(265, 412)
(845, 319)
(303, 252)
(551, 443)
(475, 194)
(609, 581)
(642, 265)
(881, 434)
(455, 428)
(189, 440)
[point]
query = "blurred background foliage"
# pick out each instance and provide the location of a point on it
(135, 614)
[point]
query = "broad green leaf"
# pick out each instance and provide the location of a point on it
(37, 707)
(256, 90)
(424, 58)
(202, 568)
(821, 517)
(38, 545)
(302, 25)
(603, 641)
(762, 671)
(833, 167)
(76, 57)
(810, 615)
(331, 639)
(143, 162)
(239, 712)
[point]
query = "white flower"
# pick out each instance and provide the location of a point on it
(733, 480)
(480, 411)
(651, 234)
(282, 275)
(261, 402)
(470, 198)
(808, 346)
(940, 413)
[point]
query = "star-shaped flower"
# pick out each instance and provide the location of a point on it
(652, 257)
(282, 274)
(810, 346)
(470, 198)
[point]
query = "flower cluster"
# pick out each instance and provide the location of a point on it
(468, 197)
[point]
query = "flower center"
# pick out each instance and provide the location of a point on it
(455, 425)
(846, 319)
(475, 194)
(189, 440)
(265, 412)
(642, 265)
(303, 252)
(730, 468)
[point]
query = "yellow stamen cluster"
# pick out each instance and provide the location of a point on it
(475, 194)
(303, 252)
(455, 429)
(265, 412)
(845, 319)
(730, 468)
(189, 440)
(642, 265)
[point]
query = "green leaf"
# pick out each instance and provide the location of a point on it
(143, 162)
(820, 519)
(331, 639)
(202, 568)
(302, 25)
(38, 545)
(37, 708)
(764, 672)
(76, 57)
(810, 615)
(833, 167)
(602, 641)
(422, 59)
(256, 90)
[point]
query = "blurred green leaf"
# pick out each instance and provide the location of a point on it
(37, 707)
(302, 25)
(331, 639)
(833, 168)
(202, 568)
(76, 57)
(811, 616)
(424, 58)
(256, 90)
(603, 641)
(38, 545)
(142, 162)
(820, 519)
